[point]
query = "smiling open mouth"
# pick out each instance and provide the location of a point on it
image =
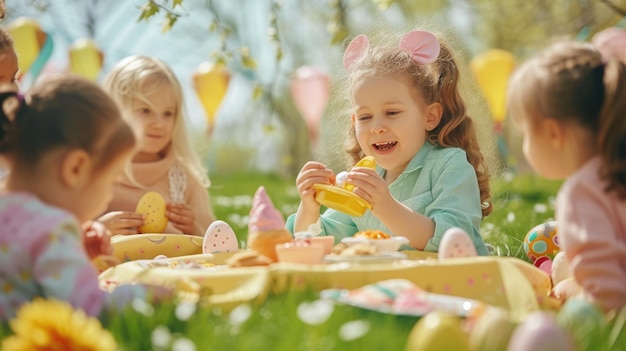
(387, 145)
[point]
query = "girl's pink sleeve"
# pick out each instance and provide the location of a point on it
(591, 243)
(63, 271)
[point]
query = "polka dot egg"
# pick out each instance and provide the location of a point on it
(542, 241)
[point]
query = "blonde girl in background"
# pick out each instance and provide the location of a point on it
(67, 143)
(151, 98)
(8, 79)
(8, 60)
(407, 113)
(570, 105)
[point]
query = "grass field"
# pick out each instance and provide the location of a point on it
(293, 321)
(520, 203)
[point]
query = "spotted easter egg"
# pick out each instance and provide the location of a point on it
(219, 237)
(456, 243)
(542, 241)
(152, 206)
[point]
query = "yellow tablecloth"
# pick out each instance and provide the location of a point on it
(504, 282)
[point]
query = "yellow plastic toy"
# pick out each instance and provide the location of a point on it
(367, 161)
(342, 198)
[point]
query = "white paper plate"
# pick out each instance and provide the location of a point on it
(452, 304)
(179, 265)
(391, 244)
(378, 257)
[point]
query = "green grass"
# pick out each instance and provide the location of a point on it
(277, 324)
(273, 325)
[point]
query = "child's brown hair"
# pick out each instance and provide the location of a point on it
(62, 111)
(571, 82)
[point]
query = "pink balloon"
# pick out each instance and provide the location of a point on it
(310, 89)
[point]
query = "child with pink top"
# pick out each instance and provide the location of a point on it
(151, 98)
(67, 143)
(570, 105)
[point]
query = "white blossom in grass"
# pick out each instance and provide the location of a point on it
(185, 310)
(161, 337)
(551, 200)
(141, 306)
(540, 208)
(239, 315)
(183, 344)
(316, 312)
(508, 176)
(266, 313)
(353, 330)
(510, 217)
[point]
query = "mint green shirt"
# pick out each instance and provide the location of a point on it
(439, 183)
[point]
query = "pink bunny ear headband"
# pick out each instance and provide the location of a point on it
(421, 45)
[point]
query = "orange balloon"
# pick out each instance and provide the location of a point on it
(492, 70)
(211, 83)
(28, 39)
(85, 58)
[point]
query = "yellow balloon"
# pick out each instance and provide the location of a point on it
(28, 38)
(211, 83)
(85, 58)
(492, 70)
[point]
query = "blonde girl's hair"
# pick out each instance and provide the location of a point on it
(571, 83)
(136, 77)
(62, 111)
(6, 41)
(433, 82)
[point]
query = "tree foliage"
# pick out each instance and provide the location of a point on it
(520, 26)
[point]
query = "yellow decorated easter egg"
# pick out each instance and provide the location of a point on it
(152, 206)
(367, 161)
(438, 331)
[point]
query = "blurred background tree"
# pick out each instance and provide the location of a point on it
(263, 42)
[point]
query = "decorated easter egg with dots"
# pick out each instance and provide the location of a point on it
(219, 237)
(542, 241)
(456, 243)
(152, 207)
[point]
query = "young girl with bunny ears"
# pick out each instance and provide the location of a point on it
(569, 102)
(152, 99)
(407, 113)
(67, 143)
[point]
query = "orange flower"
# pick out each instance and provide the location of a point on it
(55, 325)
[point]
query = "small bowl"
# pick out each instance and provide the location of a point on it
(300, 252)
(391, 244)
(340, 199)
(326, 241)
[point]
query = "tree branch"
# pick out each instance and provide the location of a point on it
(614, 7)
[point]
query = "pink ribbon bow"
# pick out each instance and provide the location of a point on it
(421, 45)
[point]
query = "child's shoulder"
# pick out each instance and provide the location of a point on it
(24, 202)
(25, 212)
(445, 154)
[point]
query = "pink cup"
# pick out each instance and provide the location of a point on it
(300, 252)
(326, 241)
